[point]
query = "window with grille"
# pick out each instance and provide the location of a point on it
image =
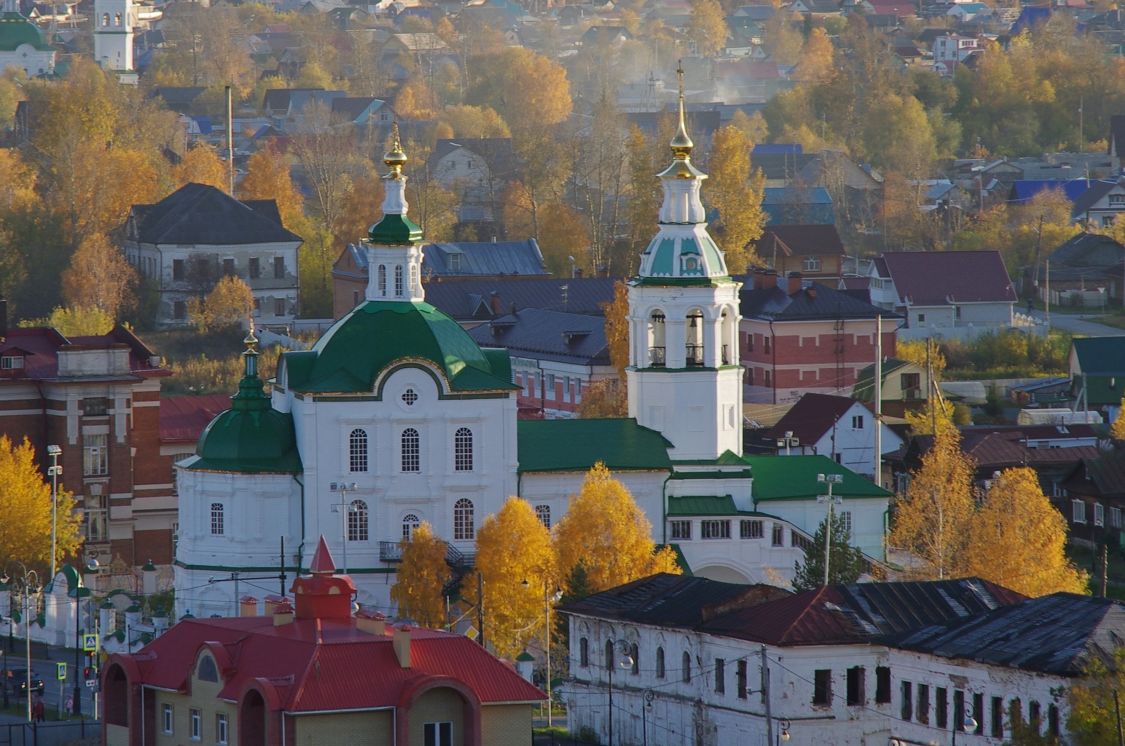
(410, 523)
(357, 521)
(751, 530)
(411, 450)
(409, 397)
(95, 455)
(543, 513)
(463, 449)
(398, 280)
(680, 529)
(463, 528)
(777, 535)
(357, 450)
(714, 529)
(382, 279)
(217, 523)
(97, 406)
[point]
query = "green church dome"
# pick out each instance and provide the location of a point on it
(377, 334)
(251, 436)
(16, 30)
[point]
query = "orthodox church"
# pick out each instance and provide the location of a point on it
(397, 416)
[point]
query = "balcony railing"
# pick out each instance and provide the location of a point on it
(694, 355)
(391, 551)
(726, 354)
(657, 357)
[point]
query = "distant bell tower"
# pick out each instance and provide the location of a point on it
(113, 37)
(684, 375)
(394, 244)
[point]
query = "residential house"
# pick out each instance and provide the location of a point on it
(1092, 496)
(472, 302)
(815, 251)
(601, 37)
(189, 240)
(443, 262)
(478, 171)
(965, 12)
(745, 80)
(684, 659)
(955, 294)
(363, 111)
(1100, 205)
(1086, 270)
(905, 386)
(313, 672)
(1097, 374)
(97, 398)
(954, 47)
(556, 355)
(797, 338)
(835, 426)
(798, 205)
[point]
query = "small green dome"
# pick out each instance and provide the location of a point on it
(377, 334)
(16, 30)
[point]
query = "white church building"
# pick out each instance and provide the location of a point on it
(397, 416)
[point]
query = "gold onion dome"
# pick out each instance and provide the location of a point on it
(681, 143)
(395, 158)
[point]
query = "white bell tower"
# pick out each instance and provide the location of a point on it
(684, 375)
(113, 37)
(394, 244)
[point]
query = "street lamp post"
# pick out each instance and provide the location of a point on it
(53, 472)
(788, 441)
(626, 662)
(829, 479)
(968, 723)
(345, 509)
(646, 705)
(29, 584)
(548, 599)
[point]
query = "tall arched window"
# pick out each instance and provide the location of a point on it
(116, 19)
(463, 528)
(609, 655)
(410, 522)
(657, 351)
(660, 663)
(413, 278)
(398, 280)
(105, 19)
(583, 652)
(543, 513)
(694, 345)
(218, 527)
(635, 654)
(357, 450)
(383, 280)
(687, 667)
(357, 521)
(411, 450)
(463, 449)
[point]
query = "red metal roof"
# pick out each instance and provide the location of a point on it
(940, 278)
(182, 418)
(41, 345)
(801, 240)
(811, 417)
(318, 664)
(322, 559)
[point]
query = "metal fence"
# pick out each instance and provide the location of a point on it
(50, 734)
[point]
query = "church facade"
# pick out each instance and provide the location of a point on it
(397, 416)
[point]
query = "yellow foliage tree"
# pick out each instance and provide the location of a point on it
(606, 533)
(515, 563)
(25, 510)
(1117, 430)
(98, 276)
(421, 578)
(817, 62)
(1095, 701)
(609, 397)
(474, 121)
(1018, 539)
(18, 179)
(76, 321)
(737, 194)
(230, 302)
(933, 519)
(529, 91)
(202, 165)
(268, 177)
(708, 27)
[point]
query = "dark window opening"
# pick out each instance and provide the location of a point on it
(907, 701)
(882, 685)
(822, 687)
(856, 685)
(941, 708)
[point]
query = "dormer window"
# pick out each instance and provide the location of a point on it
(691, 264)
(11, 362)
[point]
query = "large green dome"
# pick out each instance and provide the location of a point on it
(16, 30)
(377, 334)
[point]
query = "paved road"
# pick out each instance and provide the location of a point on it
(43, 666)
(1080, 324)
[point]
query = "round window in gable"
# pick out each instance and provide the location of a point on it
(409, 397)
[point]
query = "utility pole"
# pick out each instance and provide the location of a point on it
(282, 593)
(230, 143)
(766, 696)
(879, 400)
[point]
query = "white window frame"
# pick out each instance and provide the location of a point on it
(464, 520)
(1077, 511)
(679, 530)
(218, 520)
(222, 729)
(410, 524)
(1115, 517)
(438, 733)
(167, 719)
(463, 449)
(410, 453)
(714, 528)
(857, 422)
(196, 724)
(359, 521)
(11, 362)
(95, 454)
(543, 513)
(357, 450)
(1099, 514)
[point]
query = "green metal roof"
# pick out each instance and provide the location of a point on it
(16, 30)
(376, 334)
(394, 230)
(576, 445)
(1100, 355)
(794, 478)
(1100, 390)
(711, 505)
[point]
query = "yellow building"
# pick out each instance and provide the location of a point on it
(315, 674)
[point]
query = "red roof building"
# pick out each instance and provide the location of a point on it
(313, 674)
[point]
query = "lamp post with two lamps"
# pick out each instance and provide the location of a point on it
(829, 479)
(626, 662)
(29, 584)
(788, 441)
(53, 471)
(345, 509)
(548, 599)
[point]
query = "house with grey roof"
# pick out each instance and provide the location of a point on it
(195, 236)
(681, 659)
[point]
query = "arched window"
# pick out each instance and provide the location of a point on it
(657, 351)
(583, 652)
(357, 521)
(207, 670)
(693, 347)
(411, 451)
(218, 527)
(105, 19)
(609, 655)
(413, 278)
(660, 663)
(116, 19)
(357, 450)
(383, 280)
(463, 528)
(729, 350)
(463, 449)
(409, 523)
(634, 653)
(687, 667)
(398, 280)
(543, 513)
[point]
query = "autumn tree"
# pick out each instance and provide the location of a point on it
(98, 276)
(202, 165)
(75, 321)
(268, 177)
(817, 61)
(707, 27)
(606, 532)
(230, 302)
(1117, 430)
(609, 397)
(516, 563)
(845, 562)
(328, 159)
(474, 121)
(937, 413)
(736, 194)
(1018, 539)
(1095, 700)
(25, 510)
(421, 578)
(643, 189)
(932, 520)
(531, 92)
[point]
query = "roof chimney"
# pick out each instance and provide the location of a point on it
(792, 282)
(764, 278)
(371, 622)
(401, 642)
(496, 304)
(271, 601)
(3, 319)
(283, 613)
(248, 606)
